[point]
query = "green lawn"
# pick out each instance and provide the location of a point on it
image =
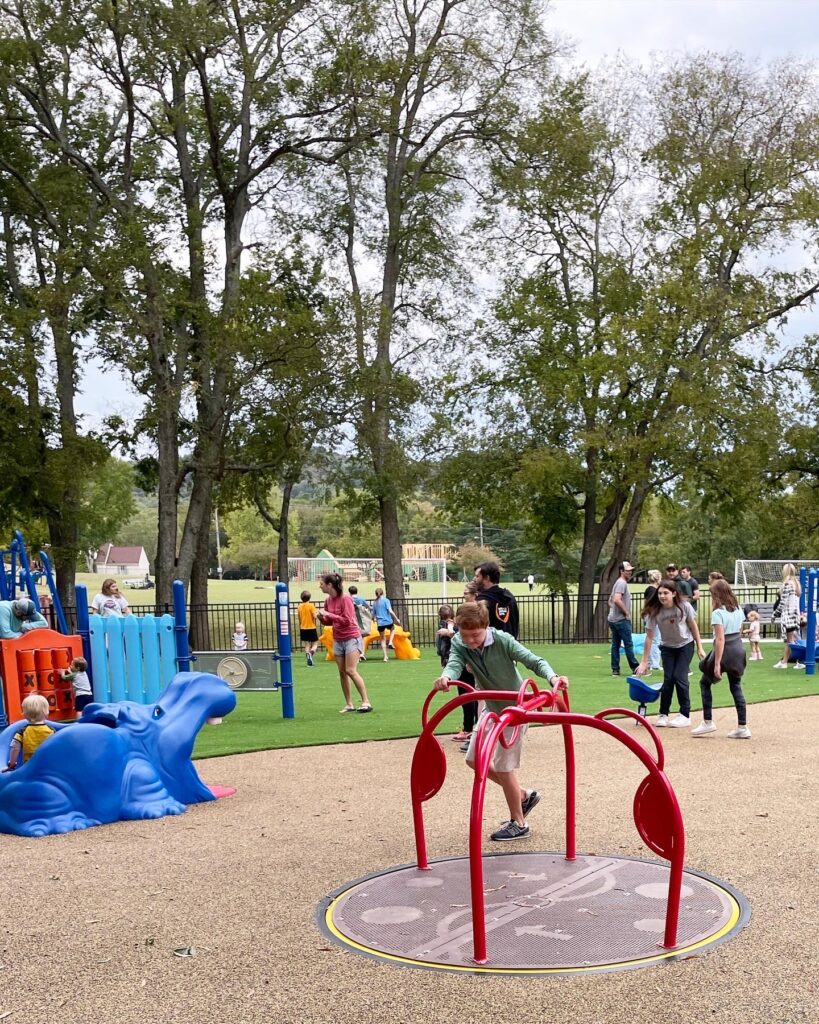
(243, 591)
(397, 691)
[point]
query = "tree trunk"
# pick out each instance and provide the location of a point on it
(283, 547)
(198, 593)
(391, 554)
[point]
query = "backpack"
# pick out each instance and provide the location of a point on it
(364, 618)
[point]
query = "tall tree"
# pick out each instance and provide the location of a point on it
(438, 79)
(205, 111)
(632, 334)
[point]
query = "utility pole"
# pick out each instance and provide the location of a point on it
(480, 529)
(218, 545)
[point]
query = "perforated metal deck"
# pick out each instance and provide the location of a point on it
(544, 914)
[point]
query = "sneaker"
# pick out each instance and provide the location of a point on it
(703, 729)
(464, 747)
(530, 801)
(680, 722)
(459, 737)
(510, 830)
(661, 722)
(615, 675)
(780, 664)
(742, 732)
(798, 665)
(309, 659)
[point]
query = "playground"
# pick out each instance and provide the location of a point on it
(229, 882)
(210, 914)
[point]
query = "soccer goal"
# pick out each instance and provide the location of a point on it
(750, 571)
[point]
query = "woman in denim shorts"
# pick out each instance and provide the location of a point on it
(339, 612)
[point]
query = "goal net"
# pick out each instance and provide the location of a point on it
(750, 572)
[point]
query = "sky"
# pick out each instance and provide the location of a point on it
(765, 28)
(768, 29)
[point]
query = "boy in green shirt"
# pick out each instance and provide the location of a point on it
(491, 655)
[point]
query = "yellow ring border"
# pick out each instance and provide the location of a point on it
(739, 917)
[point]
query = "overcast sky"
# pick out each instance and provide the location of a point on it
(763, 28)
(768, 29)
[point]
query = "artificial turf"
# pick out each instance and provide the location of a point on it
(398, 689)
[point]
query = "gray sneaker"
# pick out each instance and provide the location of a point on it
(510, 830)
(530, 801)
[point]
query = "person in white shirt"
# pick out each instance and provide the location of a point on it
(110, 602)
(671, 619)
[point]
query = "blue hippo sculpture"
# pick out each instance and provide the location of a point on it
(135, 765)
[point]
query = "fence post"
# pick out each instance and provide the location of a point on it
(284, 652)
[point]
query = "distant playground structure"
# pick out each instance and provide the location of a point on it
(431, 568)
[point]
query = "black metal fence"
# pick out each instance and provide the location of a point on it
(544, 619)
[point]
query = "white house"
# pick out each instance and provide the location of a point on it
(120, 561)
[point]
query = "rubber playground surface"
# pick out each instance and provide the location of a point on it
(210, 917)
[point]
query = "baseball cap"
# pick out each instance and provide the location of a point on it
(23, 608)
(670, 566)
(626, 567)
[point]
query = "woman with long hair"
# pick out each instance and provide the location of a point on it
(674, 622)
(789, 611)
(339, 612)
(726, 659)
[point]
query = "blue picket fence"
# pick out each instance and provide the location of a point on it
(132, 658)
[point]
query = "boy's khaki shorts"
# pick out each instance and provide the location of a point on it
(504, 760)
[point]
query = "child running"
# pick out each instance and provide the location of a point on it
(307, 626)
(492, 654)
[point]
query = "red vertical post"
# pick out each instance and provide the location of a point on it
(571, 827)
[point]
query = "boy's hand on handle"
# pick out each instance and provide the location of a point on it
(442, 683)
(559, 683)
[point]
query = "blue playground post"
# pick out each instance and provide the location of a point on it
(183, 651)
(284, 653)
(810, 641)
(83, 625)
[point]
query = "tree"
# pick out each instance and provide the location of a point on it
(181, 119)
(436, 81)
(631, 334)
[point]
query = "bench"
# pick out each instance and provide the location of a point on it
(765, 610)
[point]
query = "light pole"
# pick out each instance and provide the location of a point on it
(218, 545)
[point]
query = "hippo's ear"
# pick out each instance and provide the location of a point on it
(89, 711)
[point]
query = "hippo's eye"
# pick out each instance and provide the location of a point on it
(158, 712)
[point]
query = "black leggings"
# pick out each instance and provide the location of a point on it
(675, 676)
(735, 684)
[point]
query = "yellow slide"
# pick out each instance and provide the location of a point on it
(403, 645)
(400, 640)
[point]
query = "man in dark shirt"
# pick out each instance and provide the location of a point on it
(500, 603)
(692, 584)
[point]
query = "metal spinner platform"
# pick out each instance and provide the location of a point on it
(544, 914)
